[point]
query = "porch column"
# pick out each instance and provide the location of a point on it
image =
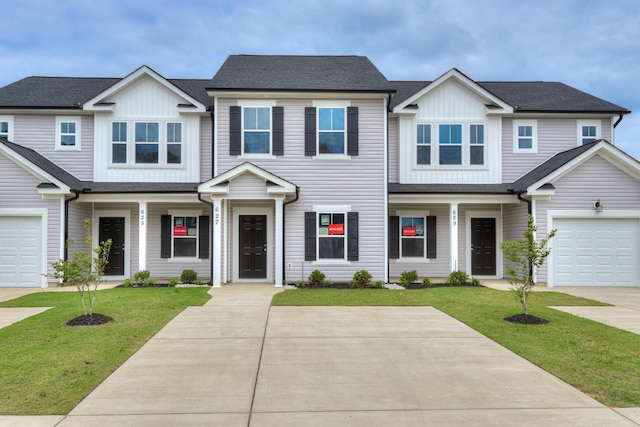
(453, 216)
(142, 236)
(217, 242)
(278, 244)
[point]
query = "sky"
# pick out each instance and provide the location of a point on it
(592, 45)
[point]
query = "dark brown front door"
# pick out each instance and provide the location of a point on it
(253, 246)
(113, 228)
(483, 246)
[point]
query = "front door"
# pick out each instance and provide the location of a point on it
(253, 247)
(113, 228)
(483, 246)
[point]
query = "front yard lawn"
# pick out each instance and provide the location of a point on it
(47, 368)
(600, 360)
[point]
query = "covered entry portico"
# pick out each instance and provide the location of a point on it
(247, 224)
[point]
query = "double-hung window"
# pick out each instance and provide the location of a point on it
(331, 131)
(144, 143)
(185, 236)
(174, 143)
(119, 142)
(257, 130)
(476, 144)
(525, 139)
(413, 236)
(67, 133)
(450, 139)
(6, 127)
(147, 138)
(423, 141)
(588, 131)
(331, 235)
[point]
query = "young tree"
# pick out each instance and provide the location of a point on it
(527, 255)
(84, 269)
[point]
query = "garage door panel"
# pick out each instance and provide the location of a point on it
(595, 252)
(20, 251)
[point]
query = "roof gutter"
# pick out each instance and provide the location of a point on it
(620, 116)
(211, 240)
(529, 209)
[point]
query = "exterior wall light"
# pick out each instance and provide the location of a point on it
(597, 206)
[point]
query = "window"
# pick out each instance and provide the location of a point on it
(331, 232)
(588, 131)
(185, 236)
(257, 130)
(147, 139)
(6, 127)
(119, 142)
(423, 154)
(412, 236)
(525, 138)
(67, 133)
(331, 130)
(174, 143)
(450, 138)
(476, 144)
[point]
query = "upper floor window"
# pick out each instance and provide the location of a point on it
(476, 144)
(67, 133)
(147, 138)
(257, 130)
(152, 142)
(331, 131)
(588, 131)
(174, 143)
(119, 142)
(450, 138)
(525, 139)
(423, 149)
(6, 127)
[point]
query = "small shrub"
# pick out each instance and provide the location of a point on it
(475, 281)
(362, 279)
(149, 282)
(173, 282)
(403, 282)
(426, 281)
(328, 283)
(317, 278)
(378, 284)
(409, 276)
(141, 278)
(188, 276)
(198, 282)
(300, 284)
(127, 283)
(457, 278)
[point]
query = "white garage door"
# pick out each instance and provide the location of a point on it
(595, 252)
(20, 251)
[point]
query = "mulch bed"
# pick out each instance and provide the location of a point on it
(526, 319)
(408, 287)
(90, 320)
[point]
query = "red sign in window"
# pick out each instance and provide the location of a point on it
(336, 228)
(180, 230)
(409, 231)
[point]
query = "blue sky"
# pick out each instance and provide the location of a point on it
(592, 45)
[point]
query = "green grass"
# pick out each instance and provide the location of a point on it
(600, 360)
(47, 367)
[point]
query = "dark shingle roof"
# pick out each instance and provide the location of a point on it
(73, 92)
(527, 97)
(300, 73)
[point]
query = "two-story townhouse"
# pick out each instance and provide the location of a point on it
(281, 165)
(469, 160)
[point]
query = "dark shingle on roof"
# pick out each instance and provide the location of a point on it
(299, 73)
(404, 89)
(196, 88)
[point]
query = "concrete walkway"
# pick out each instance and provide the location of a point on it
(236, 361)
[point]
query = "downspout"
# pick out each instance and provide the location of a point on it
(284, 234)
(530, 212)
(618, 121)
(66, 222)
(213, 141)
(210, 235)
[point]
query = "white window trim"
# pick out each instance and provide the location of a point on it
(412, 214)
(331, 104)
(534, 136)
(435, 145)
(69, 119)
(185, 213)
(581, 123)
(483, 145)
(416, 145)
(9, 120)
(258, 155)
(332, 209)
(162, 144)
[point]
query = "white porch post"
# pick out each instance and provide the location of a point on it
(278, 244)
(142, 236)
(217, 242)
(453, 217)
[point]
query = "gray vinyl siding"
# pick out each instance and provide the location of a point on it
(595, 179)
(206, 149)
(437, 267)
(78, 213)
(514, 222)
(394, 150)
(38, 133)
(357, 182)
(554, 136)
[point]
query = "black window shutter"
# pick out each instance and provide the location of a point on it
(352, 236)
(310, 131)
(352, 131)
(165, 236)
(235, 130)
(277, 118)
(394, 237)
(431, 237)
(203, 238)
(309, 236)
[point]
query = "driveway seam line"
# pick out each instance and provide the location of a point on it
(255, 384)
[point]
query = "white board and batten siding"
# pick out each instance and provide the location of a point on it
(357, 182)
(147, 101)
(592, 248)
